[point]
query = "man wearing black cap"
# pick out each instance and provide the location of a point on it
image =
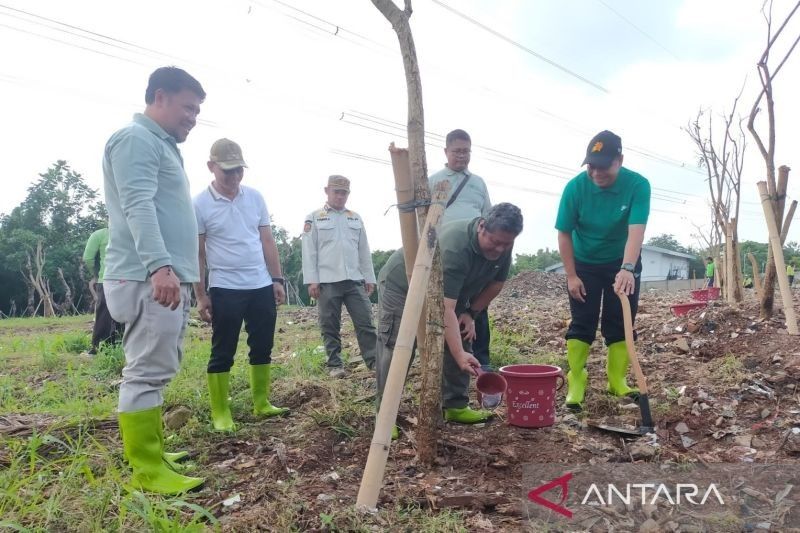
(601, 223)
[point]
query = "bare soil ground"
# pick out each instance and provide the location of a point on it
(730, 378)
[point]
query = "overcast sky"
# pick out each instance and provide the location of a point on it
(315, 87)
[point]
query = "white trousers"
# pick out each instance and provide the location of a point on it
(153, 340)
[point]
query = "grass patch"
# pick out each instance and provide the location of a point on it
(728, 371)
(71, 476)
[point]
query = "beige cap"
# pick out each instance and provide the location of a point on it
(339, 183)
(227, 154)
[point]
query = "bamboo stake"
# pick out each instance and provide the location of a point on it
(372, 480)
(780, 264)
(404, 187)
(788, 221)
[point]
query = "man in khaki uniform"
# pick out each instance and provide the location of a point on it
(337, 267)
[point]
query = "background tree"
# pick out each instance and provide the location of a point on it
(543, 258)
(775, 188)
(723, 160)
(56, 218)
(669, 242)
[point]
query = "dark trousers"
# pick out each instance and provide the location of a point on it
(353, 296)
(480, 346)
(455, 382)
(599, 283)
(229, 308)
(105, 329)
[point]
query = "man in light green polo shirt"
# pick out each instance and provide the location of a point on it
(105, 329)
(151, 262)
(601, 223)
(476, 258)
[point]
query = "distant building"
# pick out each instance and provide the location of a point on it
(658, 264)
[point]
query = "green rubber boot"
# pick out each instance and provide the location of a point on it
(465, 415)
(260, 385)
(142, 440)
(577, 377)
(172, 458)
(617, 370)
(218, 388)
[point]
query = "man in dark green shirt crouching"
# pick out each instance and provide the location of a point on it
(601, 222)
(476, 258)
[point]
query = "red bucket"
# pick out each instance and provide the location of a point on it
(531, 394)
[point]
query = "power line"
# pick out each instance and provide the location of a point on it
(640, 30)
(522, 47)
(513, 160)
(90, 32)
(521, 188)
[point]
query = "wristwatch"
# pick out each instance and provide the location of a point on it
(471, 312)
(630, 267)
(279, 280)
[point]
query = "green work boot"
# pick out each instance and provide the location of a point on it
(465, 415)
(172, 459)
(577, 377)
(218, 388)
(260, 385)
(142, 438)
(617, 370)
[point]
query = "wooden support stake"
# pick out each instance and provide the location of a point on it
(780, 264)
(756, 274)
(788, 221)
(404, 187)
(372, 480)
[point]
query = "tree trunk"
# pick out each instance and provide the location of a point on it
(756, 274)
(36, 280)
(432, 349)
(777, 246)
(30, 304)
(729, 264)
(733, 263)
(719, 276)
(776, 200)
(68, 305)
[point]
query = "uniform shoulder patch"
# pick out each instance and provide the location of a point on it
(307, 226)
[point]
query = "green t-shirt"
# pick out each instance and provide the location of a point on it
(465, 270)
(710, 270)
(599, 218)
(96, 245)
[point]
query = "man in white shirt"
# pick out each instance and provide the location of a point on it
(337, 267)
(237, 245)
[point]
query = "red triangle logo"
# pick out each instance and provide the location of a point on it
(563, 482)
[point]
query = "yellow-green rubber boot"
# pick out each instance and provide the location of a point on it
(218, 389)
(142, 435)
(577, 377)
(465, 415)
(173, 459)
(260, 385)
(617, 370)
